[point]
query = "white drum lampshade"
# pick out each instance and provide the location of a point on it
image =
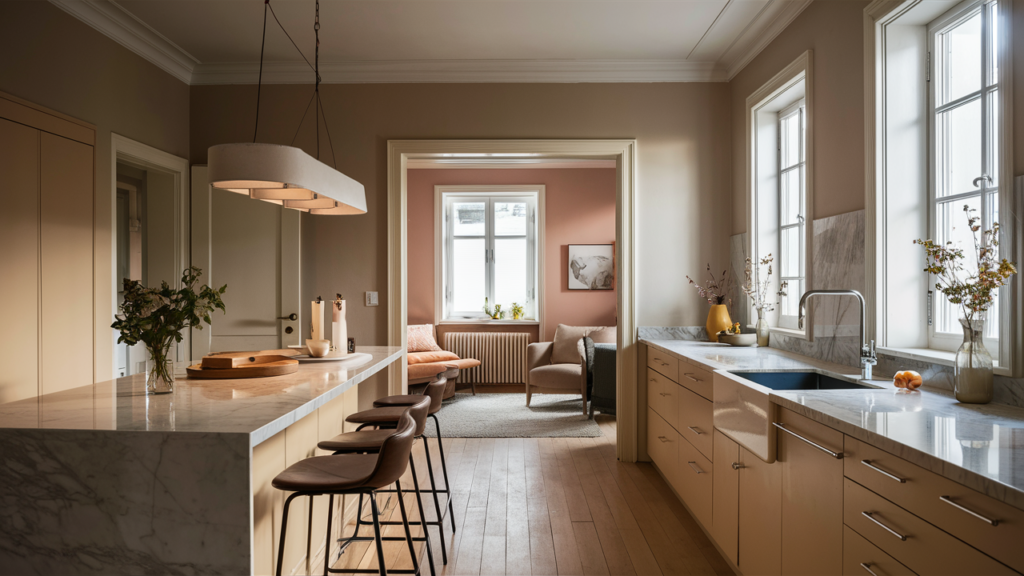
(285, 174)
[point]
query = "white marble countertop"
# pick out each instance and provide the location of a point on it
(259, 407)
(979, 446)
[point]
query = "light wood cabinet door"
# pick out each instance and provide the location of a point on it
(812, 496)
(19, 260)
(663, 362)
(66, 229)
(663, 397)
(696, 480)
(725, 496)
(695, 421)
(760, 516)
(662, 445)
(862, 558)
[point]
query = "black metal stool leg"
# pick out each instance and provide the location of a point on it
(376, 530)
(405, 524)
(433, 489)
(444, 470)
(327, 546)
(423, 518)
(284, 530)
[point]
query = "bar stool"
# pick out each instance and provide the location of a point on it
(385, 416)
(353, 474)
(370, 442)
(435, 406)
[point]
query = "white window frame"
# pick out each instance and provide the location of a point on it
(786, 89)
(796, 108)
(444, 196)
(950, 341)
(898, 156)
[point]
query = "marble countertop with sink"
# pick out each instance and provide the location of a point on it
(978, 445)
(259, 407)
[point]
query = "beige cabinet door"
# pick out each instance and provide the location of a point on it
(726, 496)
(19, 260)
(760, 516)
(812, 496)
(253, 247)
(66, 256)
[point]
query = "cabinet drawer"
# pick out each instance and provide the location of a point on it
(695, 482)
(929, 496)
(662, 443)
(697, 379)
(910, 540)
(862, 558)
(695, 423)
(664, 363)
(663, 397)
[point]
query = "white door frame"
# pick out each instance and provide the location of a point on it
(624, 154)
(128, 150)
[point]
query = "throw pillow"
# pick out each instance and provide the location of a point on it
(431, 357)
(605, 335)
(566, 348)
(421, 339)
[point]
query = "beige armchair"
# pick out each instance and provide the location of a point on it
(558, 367)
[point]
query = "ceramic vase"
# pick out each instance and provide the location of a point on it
(972, 373)
(718, 320)
(160, 369)
(761, 329)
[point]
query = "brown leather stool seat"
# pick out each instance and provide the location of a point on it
(401, 400)
(362, 474)
(363, 441)
(378, 416)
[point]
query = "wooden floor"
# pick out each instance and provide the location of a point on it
(550, 506)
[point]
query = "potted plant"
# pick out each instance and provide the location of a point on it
(517, 311)
(972, 290)
(156, 318)
(756, 288)
(715, 291)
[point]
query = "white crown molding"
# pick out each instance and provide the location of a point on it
(118, 24)
(765, 27)
(462, 71)
(505, 163)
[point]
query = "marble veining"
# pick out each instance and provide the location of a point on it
(979, 446)
(673, 333)
(259, 407)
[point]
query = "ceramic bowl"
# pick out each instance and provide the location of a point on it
(738, 339)
(318, 348)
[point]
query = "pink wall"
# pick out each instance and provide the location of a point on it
(580, 210)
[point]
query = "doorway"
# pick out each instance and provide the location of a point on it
(150, 230)
(622, 152)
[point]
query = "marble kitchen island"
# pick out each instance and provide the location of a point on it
(104, 479)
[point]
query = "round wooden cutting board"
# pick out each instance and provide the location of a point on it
(262, 367)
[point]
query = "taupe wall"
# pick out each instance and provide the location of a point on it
(52, 59)
(684, 201)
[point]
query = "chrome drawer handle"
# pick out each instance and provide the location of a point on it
(816, 445)
(737, 466)
(695, 468)
(988, 521)
(664, 394)
(867, 568)
(695, 430)
(663, 439)
(883, 472)
(690, 376)
(887, 529)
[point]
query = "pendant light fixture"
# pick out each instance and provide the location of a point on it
(287, 175)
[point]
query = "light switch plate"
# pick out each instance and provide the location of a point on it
(371, 299)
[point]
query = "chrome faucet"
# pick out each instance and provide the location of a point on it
(868, 358)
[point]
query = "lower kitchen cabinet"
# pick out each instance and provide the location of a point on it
(760, 518)
(861, 558)
(810, 460)
(725, 497)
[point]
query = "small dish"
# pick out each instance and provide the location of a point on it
(318, 348)
(738, 339)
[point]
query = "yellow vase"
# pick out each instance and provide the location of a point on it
(718, 320)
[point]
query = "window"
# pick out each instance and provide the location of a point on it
(964, 146)
(490, 248)
(792, 180)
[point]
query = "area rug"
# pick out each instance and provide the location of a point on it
(506, 416)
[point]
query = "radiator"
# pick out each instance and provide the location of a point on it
(502, 356)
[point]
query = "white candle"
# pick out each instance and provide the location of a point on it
(339, 328)
(317, 321)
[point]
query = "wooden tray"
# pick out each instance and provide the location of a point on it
(232, 366)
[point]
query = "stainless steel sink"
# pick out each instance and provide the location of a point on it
(744, 412)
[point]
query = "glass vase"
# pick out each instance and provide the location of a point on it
(761, 329)
(160, 370)
(972, 373)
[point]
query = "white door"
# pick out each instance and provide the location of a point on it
(253, 247)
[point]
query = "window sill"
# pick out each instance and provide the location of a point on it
(489, 321)
(791, 332)
(940, 357)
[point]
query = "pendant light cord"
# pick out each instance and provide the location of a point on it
(316, 69)
(259, 82)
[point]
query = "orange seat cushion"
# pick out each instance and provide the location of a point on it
(428, 357)
(425, 372)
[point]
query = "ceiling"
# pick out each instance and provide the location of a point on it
(219, 41)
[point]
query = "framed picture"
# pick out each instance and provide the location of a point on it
(591, 267)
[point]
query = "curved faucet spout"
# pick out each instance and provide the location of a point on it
(867, 351)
